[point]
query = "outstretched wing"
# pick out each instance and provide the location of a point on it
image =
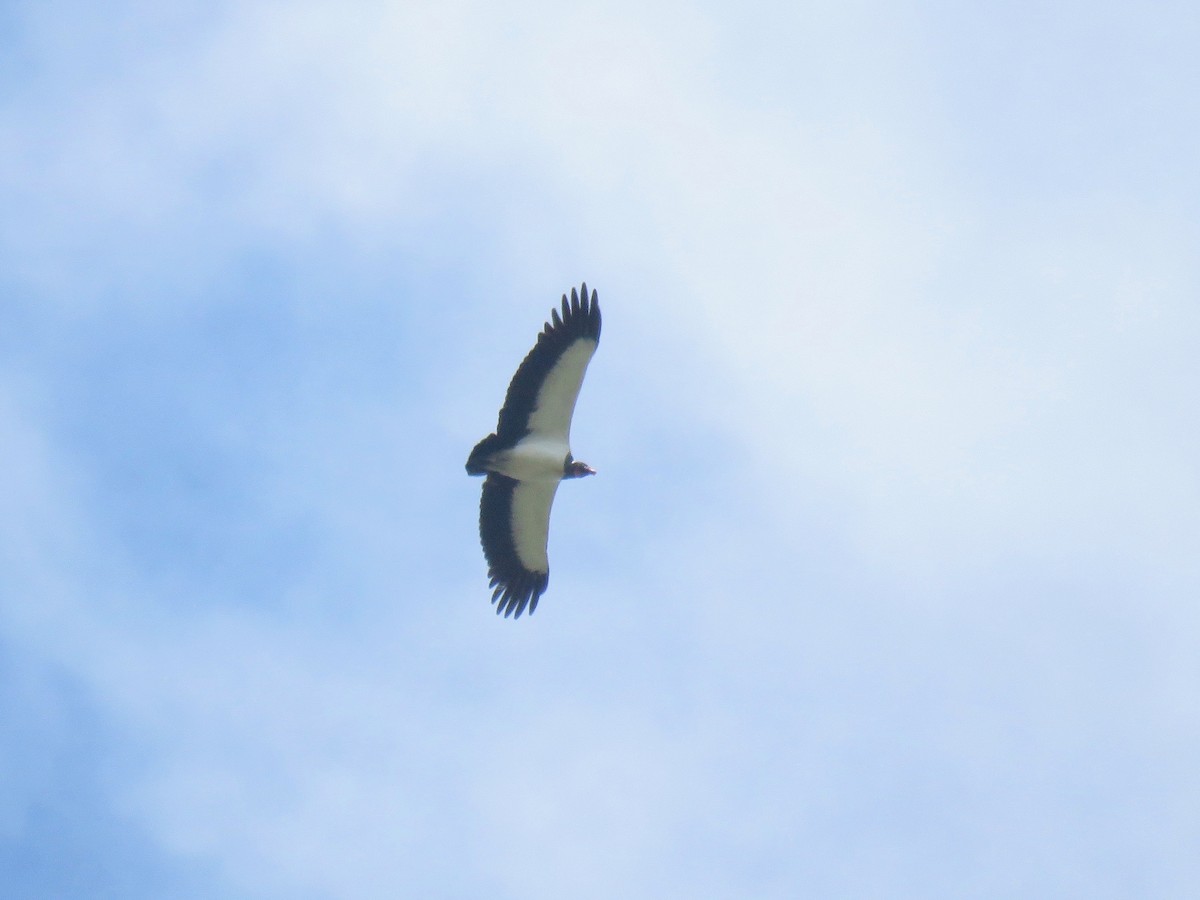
(514, 524)
(541, 396)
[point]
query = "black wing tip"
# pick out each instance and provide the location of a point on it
(580, 316)
(512, 595)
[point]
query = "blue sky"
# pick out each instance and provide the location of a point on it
(889, 582)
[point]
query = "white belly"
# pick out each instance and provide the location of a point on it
(533, 459)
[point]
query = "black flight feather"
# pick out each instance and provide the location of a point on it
(515, 586)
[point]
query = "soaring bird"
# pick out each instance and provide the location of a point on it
(530, 453)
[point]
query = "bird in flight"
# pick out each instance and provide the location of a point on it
(530, 453)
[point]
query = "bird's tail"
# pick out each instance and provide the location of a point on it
(478, 460)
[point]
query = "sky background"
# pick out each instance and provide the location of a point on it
(889, 584)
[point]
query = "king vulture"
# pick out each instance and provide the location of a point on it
(530, 453)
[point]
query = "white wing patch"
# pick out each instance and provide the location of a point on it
(556, 400)
(531, 502)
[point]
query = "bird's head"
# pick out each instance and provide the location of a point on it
(577, 469)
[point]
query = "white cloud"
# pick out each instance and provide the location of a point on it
(920, 394)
